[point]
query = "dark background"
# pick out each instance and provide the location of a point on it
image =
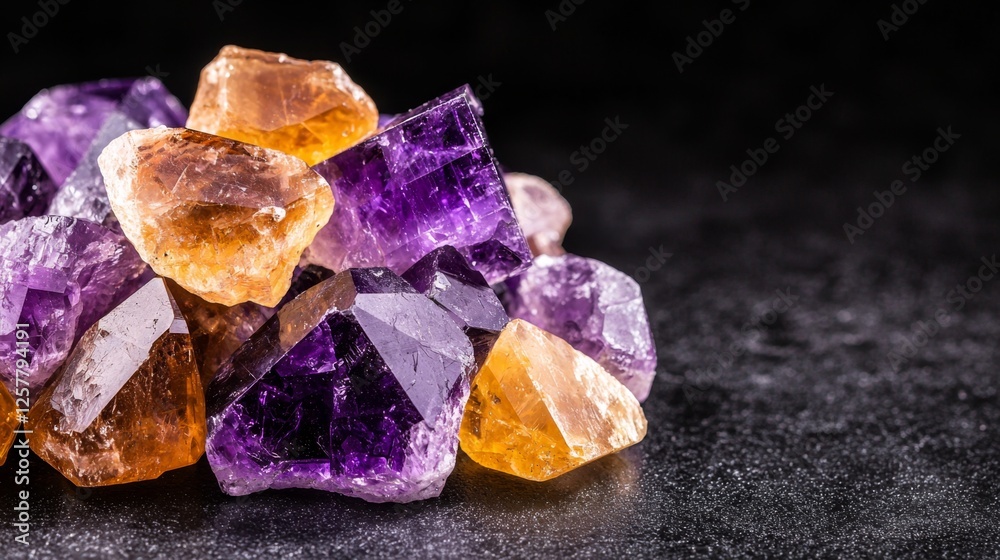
(809, 442)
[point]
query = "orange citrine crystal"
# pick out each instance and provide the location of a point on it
(226, 220)
(309, 109)
(8, 422)
(128, 404)
(540, 408)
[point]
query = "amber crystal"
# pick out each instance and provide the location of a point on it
(128, 404)
(226, 220)
(539, 408)
(8, 422)
(310, 109)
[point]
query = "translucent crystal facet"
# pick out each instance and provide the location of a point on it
(58, 276)
(538, 408)
(25, 186)
(447, 278)
(226, 220)
(60, 123)
(543, 213)
(357, 386)
(309, 109)
(596, 308)
(128, 404)
(217, 331)
(427, 180)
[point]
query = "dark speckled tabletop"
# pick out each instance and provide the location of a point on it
(805, 442)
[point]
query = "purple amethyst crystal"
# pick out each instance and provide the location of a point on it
(384, 119)
(357, 386)
(58, 276)
(25, 187)
(60, 123)
(83, 195)
(595, 308)
(447, 278)
(428, 179)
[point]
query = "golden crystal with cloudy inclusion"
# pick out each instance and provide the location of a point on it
(226, 220)
(8, 422)
(310, 109)
(128, 404)
(540, 408)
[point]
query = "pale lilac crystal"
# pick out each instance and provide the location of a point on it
(357, 386)
(25, 186)
(60, 123)
(83, 195)
(427, 180)
(596, 308)
(543, 213)
(58, 276)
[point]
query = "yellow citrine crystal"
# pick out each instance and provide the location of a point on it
(309, 109)
(8, 422)
(539, 408)
(128, 404)
(226, 220)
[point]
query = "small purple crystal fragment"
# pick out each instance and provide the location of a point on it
(84, 195)
(357, 386)
(447, 278)
(58, 276)
(427, 180)
(25, 186)
(60, 123)
(384, 119)
(594, 307)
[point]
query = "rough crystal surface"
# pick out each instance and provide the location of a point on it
(25, 186)
(357, 386)
(226, 220)
(217, 331)
(538, 408)
(8, 422)
(596, 308)
(58, 275)
(84, 195)
(309, 109)
(543, 213)
(447, 278)
(60, 123)
(128, 404)
(427, 180)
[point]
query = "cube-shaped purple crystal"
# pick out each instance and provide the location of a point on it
(58, 276)
(25, 186)
(357, 386)
(60, 123)
(428, 179)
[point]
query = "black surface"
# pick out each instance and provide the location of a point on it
(807, 444)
